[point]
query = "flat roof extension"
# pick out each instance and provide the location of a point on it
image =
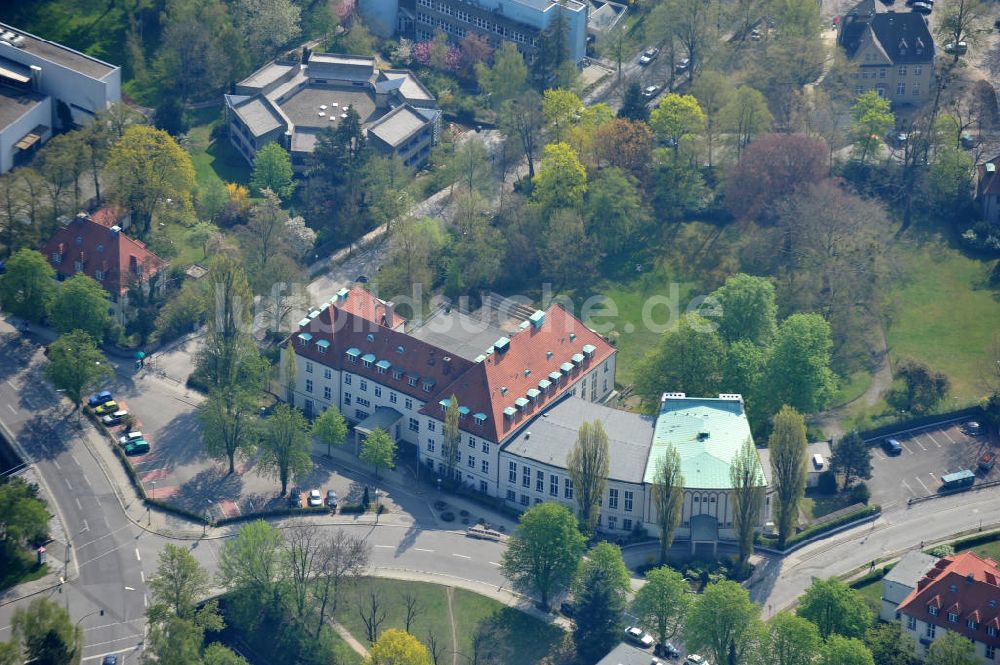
(58, 54)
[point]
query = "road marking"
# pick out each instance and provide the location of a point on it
(142, 576)
(78, 504)
(86, 527)
(494, 563)
(931, 437)
(129, 588)
(905, 448)
(137, 557)
(947, 436)
(13, 387)
(461, 556)
(55, 463)
(67, 483)
(922, 485)
(386, 547)
(914, 440)
(113, 653)
(420, 549)
(12, 409)
(931, 474)
(908, 488)
(145, 601)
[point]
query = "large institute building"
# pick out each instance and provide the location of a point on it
(524, 384)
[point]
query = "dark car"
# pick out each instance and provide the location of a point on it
(666, 650)
(100, 398)
(972, 428)
(922, 8)
(110, 660)
(892, 447)
(331, 498)
(361, 279)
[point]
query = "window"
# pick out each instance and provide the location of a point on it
(900, 88)
(568, 488)
(393, 397)
(915, 90)
(99, 275)
(414, 425)
(309, 385)
(381, 370)
(353, 359)
(525, 477)
(484, 466)
(484, 487)
(327, 393)
(991, 631)
(930, 630)
(411, 380)
(360, 414)
(626, 524)
(378, 391)
(911, 623)
(881, 73)
(430, 445)
(364, 386)
(472, 462)
(362, 402)
(933, 611)
(918, 70)
(327, 373)
(858, 89)
(368, 363)
(971, 623)
(512, 472)
(347, 399)
(472, 443)
(431, 425)
(991, 651)
(524, 499)
(613, 499)
(78, 266)
(539, 481)
(309, 367)
(511, 496)
(952, 617)
(553, 485)
(347, 379)
(612, 522)
(408, 403)
(629, 494)
(486, 447)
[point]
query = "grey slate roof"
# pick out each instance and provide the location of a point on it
(398, 125)
(626, 654)
(913, 566)
(550, 436)
(259, 117)
(903, 35)
(457, 333)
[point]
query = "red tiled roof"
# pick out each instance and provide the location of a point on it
(362, 303)
(109, 216)
(965, 584)
(100, 249)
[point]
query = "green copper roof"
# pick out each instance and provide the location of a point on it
(707, 433)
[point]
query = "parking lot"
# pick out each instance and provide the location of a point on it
(928, 453)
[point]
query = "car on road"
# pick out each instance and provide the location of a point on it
(139, 447)
(106, 407)
(100, 398)
(331, 498)
(892, 447)
(112, 419)
(130, 437)
(996, 24)
(110, 660)
(650, 91)
(638, 637)
(972, 428)
(959, 49)
(695, 659)
(315, 499)
(648, 56)
(682, 66)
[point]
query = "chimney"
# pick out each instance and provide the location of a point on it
(36, 78)
(115, 230)
(446, 365)
(133, 264)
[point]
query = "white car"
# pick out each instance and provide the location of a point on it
(648, 56)
(695, 659)
(638, 636)
(650, 91)
(315, 498)
(130, 437)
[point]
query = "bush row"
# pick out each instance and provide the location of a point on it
(911, 422)
(873, 576)
(814, 531)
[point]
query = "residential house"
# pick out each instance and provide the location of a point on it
(889, 52)
(900, 582)
(96, 246)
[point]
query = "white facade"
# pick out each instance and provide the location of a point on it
(39, 115)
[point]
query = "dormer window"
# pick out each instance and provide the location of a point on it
(991, 631)
(932, 610)
(56, 258)
(971, 623)
(952, 617)
(411, 380)
(78, 266)
(397, 374)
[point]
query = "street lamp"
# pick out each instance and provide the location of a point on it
(90, 614)
(377, 506)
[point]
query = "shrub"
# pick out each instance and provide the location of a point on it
(860, 493)
(941, 551)
(827, 482)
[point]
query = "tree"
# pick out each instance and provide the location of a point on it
(851, 457)
(522, 120)
(175, 641)
(10, 653)
(689, 359)
(251, 563)
(722, 623)
(561, 181)
(678, 188)
(962, 21)
(587, 464)
(567, 248)
(27, 287)
(180, 582)
(835, 608)
(798, 370)
(773, 167)
(614, 210)
(266, 25)
(951, 648)
(714, 91)
(379, 450)
(662, 602)
(688, 22)
(372, 610)
(791, 640)
(788, 468)
(342, 559)
(634, 103)
(272, 169)
(889, 645)
(745, 116)
(218, 654)
(675, 118)
(62, 163)
(330, 428)
(47, 634)
(560, 108)
(450, 446)
(413, 256)
(386, 180)
(24, 518)
(749, 309)
(472, 50)
(507, 78)
(599, 602)
(839, 650)
(412, 608)
(397, 647)
(924, 387)
(229, 425)
(747, 481)
(544, 551)
(668, 497)
(742, 373)
(147, 167)
(229, 357)
(625, 144)
(303, 552)
(872, 118)
(263, 236)
(76, 365)
(81, 304)
(285, 446)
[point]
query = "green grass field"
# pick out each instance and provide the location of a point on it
(851, 388)
(214, 160)
(945, 315)
(872, 593)
(527, 638)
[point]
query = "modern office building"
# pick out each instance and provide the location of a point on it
(36, 76)
(290, 103)
(517, 21)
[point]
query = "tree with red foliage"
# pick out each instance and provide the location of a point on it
(472, 49)
(772, 168)
(626, 144)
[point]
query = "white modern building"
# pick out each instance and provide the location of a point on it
(36, 76)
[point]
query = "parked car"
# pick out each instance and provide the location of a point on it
(130, 437)
(139, 447)
(892, 447)
(967, 140)
(315, 499)
(361, 279)
(638, 637)
(922, 7)
(986, 461)
(331, 498)
(959, 49)
(110, 660)
(106, 407)
(695, 659)
(972, 428)
(898, 139)
(112, 419)
(650, 91)
(100, 398)
(682, 66)
(648, 56)
(666, 650)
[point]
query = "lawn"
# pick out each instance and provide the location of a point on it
(851, 388)
(527, 638)
(991, 550)
(214, 160)
(20, 571)
(944, 314)
(872, 593)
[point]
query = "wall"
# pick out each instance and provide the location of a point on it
(41, 114)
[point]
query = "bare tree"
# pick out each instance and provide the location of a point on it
(961, 22)
(412, 608)
(747, 481)
(342, 559)
(372, 611)
(435, 646)
(488, 645)
(303, 550)
(668, 497)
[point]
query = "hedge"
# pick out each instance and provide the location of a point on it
(350, 508)
(873, 576)
(919, 421)
(281, 512)
(814, 531)
(973, 541)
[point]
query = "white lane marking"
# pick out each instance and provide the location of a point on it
(421, 549)
(75, 460)
(905, 448)
(461, 556)
(91, 542)
(130, 588)
(109, 625)
(922, 485)
(931, 437)
(11, 385)
(86, 527)
(137, 557)
(916, 441)
(112, 653)
(494, 563)
(12, 409)
(67, 483)
(78, 504)
(386, 547)
(145, 601)
(908, 488)
(55, 463)
(947, 436)
(142, 576)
